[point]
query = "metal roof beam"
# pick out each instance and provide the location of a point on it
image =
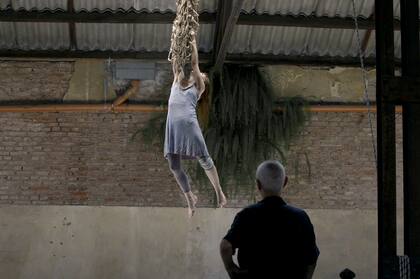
(273, 59)
(72, 26)
(96, 16)
(309, 21)
(223, 9)
(205, 57)
(221, 51)
(168, 17)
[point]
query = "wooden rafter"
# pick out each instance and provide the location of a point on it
(135, 85)
(141, 108)
(368, 34)
(95, 16)
(72, 26)
(221, 19)
(168, 17)
(205, 57)
(221, 51)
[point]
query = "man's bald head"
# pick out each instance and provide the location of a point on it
(271, 176)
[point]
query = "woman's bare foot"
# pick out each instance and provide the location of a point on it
(191, 212)
(221, 200)
(192, 201)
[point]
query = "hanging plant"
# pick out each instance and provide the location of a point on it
(246, 126)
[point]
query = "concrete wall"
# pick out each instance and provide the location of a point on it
(127, 242)
(327, 84)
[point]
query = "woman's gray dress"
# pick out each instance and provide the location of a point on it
(183, 134)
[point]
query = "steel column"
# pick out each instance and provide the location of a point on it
(387, 232)
(411, 133)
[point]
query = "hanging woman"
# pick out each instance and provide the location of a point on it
(183, 137)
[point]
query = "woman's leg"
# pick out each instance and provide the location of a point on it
(211, 172)
(182, 179)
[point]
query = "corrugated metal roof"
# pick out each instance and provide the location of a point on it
(95, 36)
(331, 8)
(397, 44)
(103, 5)
(156, 37)
(30, 36)
(149, 5)
(341, 8)
(141, 37)
(7, 35)
(294, 41)
(34, 4)
(302, 41)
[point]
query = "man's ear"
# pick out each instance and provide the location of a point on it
(259, 187)
(286, 179)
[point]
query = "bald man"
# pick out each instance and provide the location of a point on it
(274, 240)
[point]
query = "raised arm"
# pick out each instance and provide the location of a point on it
(199, 81)
(175, 71)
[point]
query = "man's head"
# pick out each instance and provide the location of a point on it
(271, 178)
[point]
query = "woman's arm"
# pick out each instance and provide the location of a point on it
(199, 81)
(175, 72)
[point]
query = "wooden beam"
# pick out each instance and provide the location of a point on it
(280, 59)
(205, 57)
(309, 21)
(368, 34)
(227, 34)
(141, 108)
(205, 17)
(365, 41)
(223, 9)
(72, 26)
(96, 17)
(141, 55)
(135, 85)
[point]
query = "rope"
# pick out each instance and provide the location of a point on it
(365, 81)
(404, 263)
(184, 29)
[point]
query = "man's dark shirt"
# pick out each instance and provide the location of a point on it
(274, 240)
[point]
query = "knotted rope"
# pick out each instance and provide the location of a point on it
(184, 29)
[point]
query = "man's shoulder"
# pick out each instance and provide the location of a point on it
(248, 211)
(295, 209)
(257, 208)
(297, 212)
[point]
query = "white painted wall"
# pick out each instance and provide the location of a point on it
(128, 242)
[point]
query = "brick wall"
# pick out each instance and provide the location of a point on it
(34, 80)
(88, 159)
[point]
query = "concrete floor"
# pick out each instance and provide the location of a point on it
(128, 242)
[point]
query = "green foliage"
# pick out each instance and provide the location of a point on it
(246, 126)
(153, 133)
